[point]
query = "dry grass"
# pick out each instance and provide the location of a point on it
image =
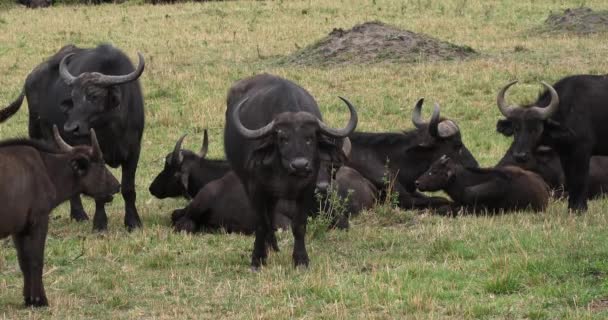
(392, 264)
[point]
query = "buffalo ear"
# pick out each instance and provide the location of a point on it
(329, 151)
(114, 97)
(80, 165)
(183, 178)
(263, 154)
(504, 127)
(557, 131)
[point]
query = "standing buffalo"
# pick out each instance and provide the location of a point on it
(399, 158)
(477, 190)
(79, 89)
(36, 178)
(545, 162)
(569, 117)
(275, 139)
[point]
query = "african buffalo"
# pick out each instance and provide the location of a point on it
(570, 117)
(12, 108)
(275, 139)
(36, 178)
(36, 3)
(545, 162)
(186, 172)
(477, 190)
(398, 158)
(79, 89)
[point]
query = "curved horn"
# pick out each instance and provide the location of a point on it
(546, 112)
(205, 146)
(12, 108)
(346, 147)
(177, 156)
(505, 109)
(63, 146)
(107, 80)
(95, 144)
(434, 123)
(350, 126)
(247, 133)
(416, 115)
(63, 70)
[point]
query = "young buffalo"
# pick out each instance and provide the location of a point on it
(35, 179)
(475, 189)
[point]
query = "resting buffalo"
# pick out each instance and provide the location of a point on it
(36, 178)
(477, 190)
(400, 157)
(186, 172)
(11, 109)
(545, 162)
(569, 117)
(275, 139)
(79, 89)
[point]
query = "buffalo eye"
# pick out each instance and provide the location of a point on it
(283, 140)
(308, 141)
(66, 106)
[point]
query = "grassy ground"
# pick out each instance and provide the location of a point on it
(391, 264)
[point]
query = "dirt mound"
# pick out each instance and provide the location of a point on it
(581, 20)
(373, 42)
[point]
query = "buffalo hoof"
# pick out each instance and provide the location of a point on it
(184, 224)
(255, 269)
(36, 302)
(78, 215)
(301, 261)
(133, 224)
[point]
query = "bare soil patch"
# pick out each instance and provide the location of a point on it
(599, 305)
(581, 20)
(373, 42)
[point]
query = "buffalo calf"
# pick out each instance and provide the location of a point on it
(37, 178)
(498, 189)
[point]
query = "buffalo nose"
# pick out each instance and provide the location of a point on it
(300, 164)
(322, 187)
(70, 127)
(521, 156)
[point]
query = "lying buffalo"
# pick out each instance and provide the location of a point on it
(275, 139)
(570, 117)
(78, 89)
(545, 162)
(36, 178)
(36, 3)
(397, 159)
(478, 190)
(187, 172)
(12, 108)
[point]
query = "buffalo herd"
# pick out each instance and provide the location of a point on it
(283, 162)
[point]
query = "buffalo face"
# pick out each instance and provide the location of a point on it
(179, 165)
(529, 125)
(297, 140)
(89, 169)
(95, 98)
(438, 176)
(439, 137)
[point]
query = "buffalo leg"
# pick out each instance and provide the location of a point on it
(132, 219)
(77, 210)
(30, 252)
(260, 204)
(576, 170)
(100, 219)
(298, 228)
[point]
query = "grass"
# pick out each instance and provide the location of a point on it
(391, 264)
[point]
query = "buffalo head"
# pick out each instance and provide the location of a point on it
(438, 137)
(529, 125)
(438, 176)
(327, 170)
(91, 175)
(95, 97)
(179, 165)
(298, 140)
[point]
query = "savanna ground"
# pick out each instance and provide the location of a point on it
(391, 264)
